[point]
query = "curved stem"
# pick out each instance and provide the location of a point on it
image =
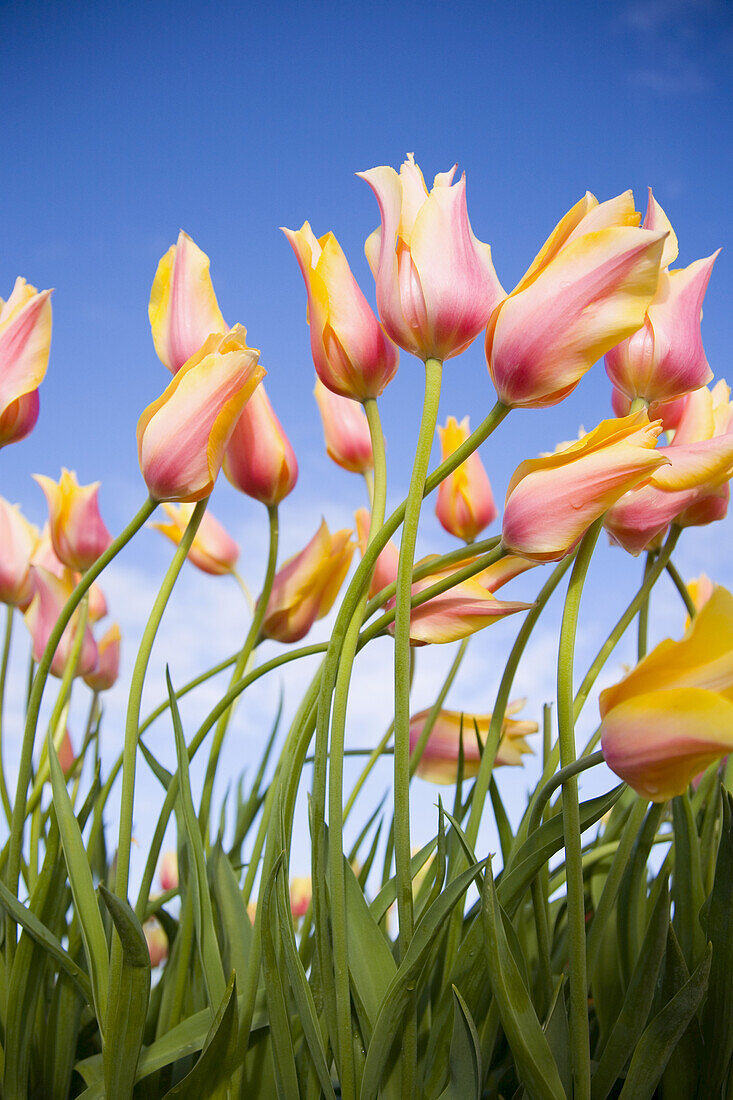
(547, 790)
(245, 590)
(9, 612)
(240, 666)
(579, 1034)
(643, 631)
(682, 589)
(36, 695)
(196, 682)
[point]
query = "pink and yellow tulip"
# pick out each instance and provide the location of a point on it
(183, 309)
(436, 284)
(465, 504)
(213, 550)
(345, 430)
(18, 542)
(168, 871)
(301, 892)
(439, 761)
(182, 437)
(259, 459)
(588, 287)
(552, 500)
(307, 584)
(157, 942)
(664, 359)
(77, 530)
(107, 669)
(672, 715)
(50, 593)
(351, 352)
(25, 342)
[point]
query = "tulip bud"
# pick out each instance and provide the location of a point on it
(168, 871)
(351, 353)
(78, 533)
(345, 429)
(465, 504)
(259, 459)
(436, 284)
(552, 501)
(50, 596)
(301, 892)
(181, 437)
(385, 571)
(107, 668)
(157, 942)
(183, 309)
(66, 754)
(439, 761)
(25, 341)
(18, 540)
(306, 586)
(672, 715)
(97, 603)
(212, 551)
(587, 288)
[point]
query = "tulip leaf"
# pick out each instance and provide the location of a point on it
(503, 826)
(286, 1074)
(388, 894)
(465, 1055)
(660, 1039)
(717, 1014)
(533, 1058)
(233, 919)
(687, 889)
(128, 1001)
(216, 1062)
(634, 1012)
(557, 1031)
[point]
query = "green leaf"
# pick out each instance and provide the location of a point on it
(218, 1055)
(717, 1014)
(665, 1031)
(557, 1032)
(286, 1074)
(128, 1001)
(388, 893)
(687, 889)
(82, 887)
(634, 1012)
(506, 838)
(233, 920)
(465, 1055)
(533, 1059)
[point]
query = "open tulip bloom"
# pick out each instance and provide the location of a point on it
(294, 923)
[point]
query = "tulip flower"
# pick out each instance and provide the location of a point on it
(183, 309)
(552, 501)
(456, 613)
(25, 341)
(701, 589)
(301, 892)
(212, 551)
(65, 753)
(439, 761)
(77, 530)
(306, 585)
(672, 715)
(168, 871)
(691, 489)
(259, 459)
(669, 412)
(385, 570)
(436, 284)
(50, 595)
(107, 668)
(351, 353)
(18, 541)
(345, 429)
(181, 437)
(157, 942)
(665, 358)
(588, 287)
(465, 504)
(97, 603)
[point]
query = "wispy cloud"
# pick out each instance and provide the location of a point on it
(681, 40)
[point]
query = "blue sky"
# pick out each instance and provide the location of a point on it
(123, 123)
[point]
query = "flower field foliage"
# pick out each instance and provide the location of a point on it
(592, 956)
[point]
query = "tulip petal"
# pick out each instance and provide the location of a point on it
(25, 340)
(183, 309)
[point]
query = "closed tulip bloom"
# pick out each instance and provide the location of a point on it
(212, 551)
(77, 530)
(157, 942)
(588, 287)
(181, 437)
(168, 871)
(672, 715)
(436, 284)
(552, 500)
(183, 309)
(18, 541)
(665, 358)
(107, 669)
(306, 585)
(97, 603)
(385, 571)
(439, 762)
(465, 504)
(345, 430)
(691, 489)
(301, 892)
(25, 342)
(259, 459)
(351, 352)
(66, 753)
(50, 595)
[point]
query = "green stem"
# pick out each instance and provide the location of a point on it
(34, 704)
(547, 790)
(241, 664)
(682, 589)
(643, 632)
(196, 682)
(3, 676)
(579, 1034)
